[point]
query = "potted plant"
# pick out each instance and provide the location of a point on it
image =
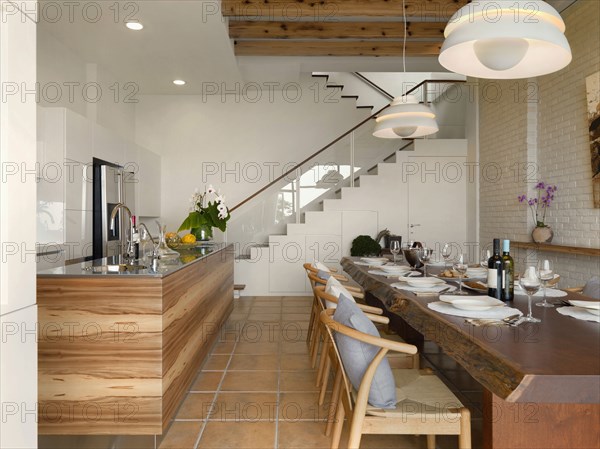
(205, 215)
(539, 204)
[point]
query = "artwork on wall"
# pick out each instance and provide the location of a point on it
(593, 96)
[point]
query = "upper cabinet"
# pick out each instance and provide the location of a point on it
(149, 187)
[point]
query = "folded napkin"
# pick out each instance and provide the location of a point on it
(578, 313)
(434, 289)
(495, 313)
(550, 292)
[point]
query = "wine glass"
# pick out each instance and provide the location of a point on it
(485, 257)
(446, 253)
(546, 273)
(424, 255)
(395, 248)
(530, 282)
(460, 266)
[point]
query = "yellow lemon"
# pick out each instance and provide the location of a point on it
(189, 238)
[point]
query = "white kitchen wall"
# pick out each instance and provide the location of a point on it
(543, 123)
(235, 142)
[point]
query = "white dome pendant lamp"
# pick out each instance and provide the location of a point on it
(406, 118)
(500, 39)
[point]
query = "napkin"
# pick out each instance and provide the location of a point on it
(578, 313)
(495, 313)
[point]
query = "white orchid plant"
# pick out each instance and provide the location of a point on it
(206, 213)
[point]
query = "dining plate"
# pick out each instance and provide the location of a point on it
(476, 286)
(394, 269)
(473, 304)
(482, 301)
(593, 311)
(424, 282)
(589, 305)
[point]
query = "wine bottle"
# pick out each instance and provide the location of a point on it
(508, 273)
(494, 280)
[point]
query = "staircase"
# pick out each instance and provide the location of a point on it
(337, 197)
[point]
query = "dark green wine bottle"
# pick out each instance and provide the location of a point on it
(508, 273)
(494, 279)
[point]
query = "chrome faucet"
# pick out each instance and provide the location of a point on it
(129, 254)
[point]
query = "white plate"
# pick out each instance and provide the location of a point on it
(482, 301)
(593, 311)
(435, 263)
(424, 282)
(375, 259)
(394, 275)
(585, 304)
(435, 289)
(550, 292)
(395, 269)
(482, 287)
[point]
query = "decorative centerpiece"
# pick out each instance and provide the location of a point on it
(542, 233)
(205, 215)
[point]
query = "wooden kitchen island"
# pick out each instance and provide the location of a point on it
(118, 351)
(541, 382)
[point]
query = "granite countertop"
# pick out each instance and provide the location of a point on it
(165, 268)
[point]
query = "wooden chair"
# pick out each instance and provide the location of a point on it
(415, 414)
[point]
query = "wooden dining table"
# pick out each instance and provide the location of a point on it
(541, 381)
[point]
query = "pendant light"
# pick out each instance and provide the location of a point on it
(405, 118)
(505, 40)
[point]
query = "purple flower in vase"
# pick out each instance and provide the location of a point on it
(544, 198)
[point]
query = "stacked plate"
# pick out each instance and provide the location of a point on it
(395, 269)
(374, 261)
(474, 303)
(592, 307)
(477, 273)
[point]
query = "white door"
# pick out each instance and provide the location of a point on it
(437, 207)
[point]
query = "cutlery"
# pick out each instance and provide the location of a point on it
(444, 290)
(510, 321)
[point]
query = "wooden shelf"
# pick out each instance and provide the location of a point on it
(549, 247)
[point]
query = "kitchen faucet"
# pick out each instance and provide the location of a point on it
(113, 215)
(154, 247)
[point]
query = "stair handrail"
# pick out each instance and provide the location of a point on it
(333, 142)
(378, 88)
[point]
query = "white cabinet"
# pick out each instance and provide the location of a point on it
(149, 186)
(18, 151)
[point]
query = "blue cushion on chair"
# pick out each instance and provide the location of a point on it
(357, 356)
(323, 275)
(592, 288)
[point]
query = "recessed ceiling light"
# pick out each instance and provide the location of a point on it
(135, 26)
(179, 82)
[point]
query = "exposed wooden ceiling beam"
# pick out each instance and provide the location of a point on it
(334, 48)
(333, 30)
(330, 10)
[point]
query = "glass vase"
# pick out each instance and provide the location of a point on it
(203, 233)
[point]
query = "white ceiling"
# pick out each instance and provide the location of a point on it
(186, 40)
(177, 42)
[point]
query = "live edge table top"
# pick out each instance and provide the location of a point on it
(555, 361)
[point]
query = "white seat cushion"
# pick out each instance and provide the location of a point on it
(335, 288)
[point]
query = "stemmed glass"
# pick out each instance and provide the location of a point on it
(546, 274)
(395, 248)
(530, 282)
(446, 253)
(485, 257)
(424, 255)
(460, 266)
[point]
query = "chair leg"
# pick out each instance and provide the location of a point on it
(358, 417)
(338, 426)
(313, 338)
(314, 318)
(430, 441)
(324, 360)
(325, 381)
(315, 348)
(335, 398)
(464, 438)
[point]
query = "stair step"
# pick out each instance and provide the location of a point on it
(239, 287)
(353, 97)
(335, 86)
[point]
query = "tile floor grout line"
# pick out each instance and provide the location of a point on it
(218, 390)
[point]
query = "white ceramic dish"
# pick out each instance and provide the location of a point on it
(589, 305)
(375, 261)
(472, 301)
(423, 282)
(394, 269)
(593, 311)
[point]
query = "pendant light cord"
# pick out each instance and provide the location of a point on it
(405, 33)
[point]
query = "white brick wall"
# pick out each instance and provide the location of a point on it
(545, 122)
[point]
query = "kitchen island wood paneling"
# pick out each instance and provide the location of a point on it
(117, 353)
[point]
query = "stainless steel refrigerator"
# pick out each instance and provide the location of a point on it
(112, 185)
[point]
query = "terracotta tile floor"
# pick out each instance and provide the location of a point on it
(257, 389)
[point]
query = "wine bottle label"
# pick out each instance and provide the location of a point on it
(492, 280)
(503, 278)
